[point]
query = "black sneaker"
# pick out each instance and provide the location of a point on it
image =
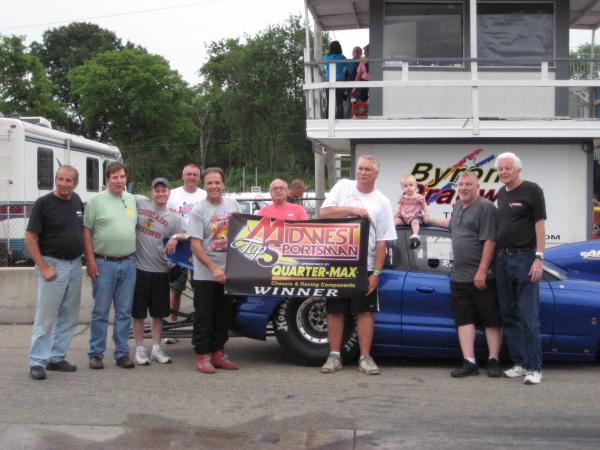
(493, 368)
(61, 366)
(467, 369)
(37, 373)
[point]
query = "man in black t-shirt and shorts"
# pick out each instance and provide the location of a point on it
(519, 266)
(54, 239)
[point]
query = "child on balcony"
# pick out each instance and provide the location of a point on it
(412, 209)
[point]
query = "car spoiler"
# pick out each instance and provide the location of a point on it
(580, 260)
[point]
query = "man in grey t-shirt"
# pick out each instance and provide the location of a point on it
(208, 228)
(155, 224)
(474, 298)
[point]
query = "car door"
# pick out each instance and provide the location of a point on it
(427, 319)
(388, 320)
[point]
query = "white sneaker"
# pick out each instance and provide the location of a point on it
(159, 355)
(333, 363)
(515, 371)
(533, 377)
(368, 366)
(141, 359)
(170, 340)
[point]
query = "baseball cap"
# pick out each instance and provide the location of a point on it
(160, 181)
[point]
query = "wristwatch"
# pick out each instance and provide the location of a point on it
(539, 255)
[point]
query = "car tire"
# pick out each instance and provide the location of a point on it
(300, 326)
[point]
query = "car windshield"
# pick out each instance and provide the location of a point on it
(555, 271)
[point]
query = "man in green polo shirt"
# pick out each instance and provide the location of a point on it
(109, 237)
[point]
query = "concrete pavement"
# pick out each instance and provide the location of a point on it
(271, 403)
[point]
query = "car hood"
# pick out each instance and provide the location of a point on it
(580, 260)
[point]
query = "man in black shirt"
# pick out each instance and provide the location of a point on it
(54, 239)
(519, 266)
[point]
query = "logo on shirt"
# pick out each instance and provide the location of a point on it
(515, 204)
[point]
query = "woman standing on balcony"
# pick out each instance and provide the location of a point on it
(335, 54)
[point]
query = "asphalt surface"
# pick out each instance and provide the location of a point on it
(272, 403)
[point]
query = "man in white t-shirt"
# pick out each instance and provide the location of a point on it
(181, 201)
(359, 198)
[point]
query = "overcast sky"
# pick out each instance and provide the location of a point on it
(175, 29)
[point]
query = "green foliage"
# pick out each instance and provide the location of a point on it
(70, 46)
(255, 88)
(24, 86)
(247, 114)
(135, 100)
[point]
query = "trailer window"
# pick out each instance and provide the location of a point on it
(104, 166)
(45, 169)
(92, 174)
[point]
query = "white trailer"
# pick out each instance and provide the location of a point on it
(30, 153)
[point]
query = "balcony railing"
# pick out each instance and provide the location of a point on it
(555, 88)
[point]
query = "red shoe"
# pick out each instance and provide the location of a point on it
(221, 362)
(204, 365)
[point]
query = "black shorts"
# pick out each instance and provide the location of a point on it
(151, 293)
(472, 306)
(355, 305)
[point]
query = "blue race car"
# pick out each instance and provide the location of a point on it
(415, 316)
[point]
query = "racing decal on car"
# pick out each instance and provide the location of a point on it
(592, 254)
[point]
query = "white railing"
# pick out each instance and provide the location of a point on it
(584, 74)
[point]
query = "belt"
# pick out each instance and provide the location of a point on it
(112, 258)
(515, 251)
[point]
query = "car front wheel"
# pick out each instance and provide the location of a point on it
(300, 325)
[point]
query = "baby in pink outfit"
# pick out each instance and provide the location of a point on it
(412, 208)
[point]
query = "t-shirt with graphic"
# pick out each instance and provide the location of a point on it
(210, 223)
(382, 227)
(410, 208)
(153, 227)
(182, 202)
(289, 211)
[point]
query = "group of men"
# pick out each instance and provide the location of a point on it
(122, 239)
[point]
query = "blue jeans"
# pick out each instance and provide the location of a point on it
(519, 306)
(57, 311)
(114, 285)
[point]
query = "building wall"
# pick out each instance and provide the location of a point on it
(559, 168)
(504, 102)
(493, 103)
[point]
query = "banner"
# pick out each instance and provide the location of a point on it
(321, 258)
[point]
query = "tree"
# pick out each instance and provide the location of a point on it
(67, 47)
(135, 100)
(24, 86)
(257, 88)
